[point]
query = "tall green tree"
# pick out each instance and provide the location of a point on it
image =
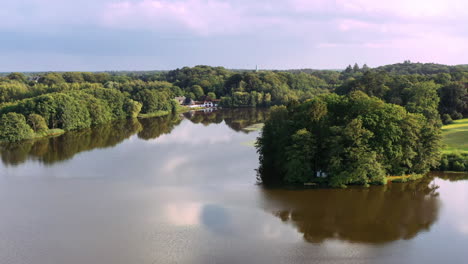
(13, 127)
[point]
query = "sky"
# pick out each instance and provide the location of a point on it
(97, 35)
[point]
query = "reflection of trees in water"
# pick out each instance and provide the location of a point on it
(450, 176)
(64, 147)
(155, 127)
(370, 215)
(237, 118)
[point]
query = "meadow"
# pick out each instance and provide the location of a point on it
(455, 136)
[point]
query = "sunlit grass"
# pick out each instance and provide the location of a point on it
(254, 127)
(404, 178)
(455, 136)
(154, 114)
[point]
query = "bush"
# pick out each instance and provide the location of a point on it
(13, 127)
(447, 119)
(37, 123)
(454, 162)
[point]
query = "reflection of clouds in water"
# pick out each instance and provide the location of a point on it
(455, 196)
(183, 213)
(238, 223)
(171, 165)
(188, 133)
(216, 219)
(338, 248)
(271, 231)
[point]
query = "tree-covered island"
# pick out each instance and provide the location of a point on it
(338, 140)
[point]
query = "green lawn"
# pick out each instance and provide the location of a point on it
(455, 136)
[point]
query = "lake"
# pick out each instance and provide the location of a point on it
(182, 189)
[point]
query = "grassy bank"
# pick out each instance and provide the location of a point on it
(404, 178)
(154, 114)
(49, 133)
(455, 137)
(180, 109)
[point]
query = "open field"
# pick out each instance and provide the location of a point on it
(455, 136)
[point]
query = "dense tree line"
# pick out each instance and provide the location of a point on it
(408, 67)
(454, 162)
(73, 100)
(56, 149)
(447, 92)
(341, 140)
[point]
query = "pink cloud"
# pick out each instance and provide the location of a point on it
(201, 16)
(396, 8)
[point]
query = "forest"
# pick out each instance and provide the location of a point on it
(339, 140)
(39, 104)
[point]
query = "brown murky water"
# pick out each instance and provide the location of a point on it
(182, 189)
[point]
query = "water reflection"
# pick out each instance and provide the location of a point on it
(236, 119)
(66, 146)
(216, 219)
(155, 127)
(171, 190)
(370, 215)
(450, 176)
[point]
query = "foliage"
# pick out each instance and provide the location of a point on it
(73, 100)
(454, 162)
(13, 127)
(37, 123)
(342, 140)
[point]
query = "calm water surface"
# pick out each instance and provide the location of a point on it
(181, 189)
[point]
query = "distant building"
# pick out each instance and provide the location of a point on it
(180, 99)
(208, 104)
(189, 101)
(34, 78)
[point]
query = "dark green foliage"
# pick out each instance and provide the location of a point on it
(52, 79)
(12, 90)
(37, 123)
(434, 94)
(432, 90)
(454, 162)
(13, 127)
(454, 99)
(353, 139)
(75, 109)
(132, 108)
(115, 99)
(197, 90)
(153, 100)
(447, 119)
(17, 76)
(299, 154)
(211, 79)
(408, 67)
(266, 88)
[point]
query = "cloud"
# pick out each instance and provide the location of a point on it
(200, 16)
(273, 33)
